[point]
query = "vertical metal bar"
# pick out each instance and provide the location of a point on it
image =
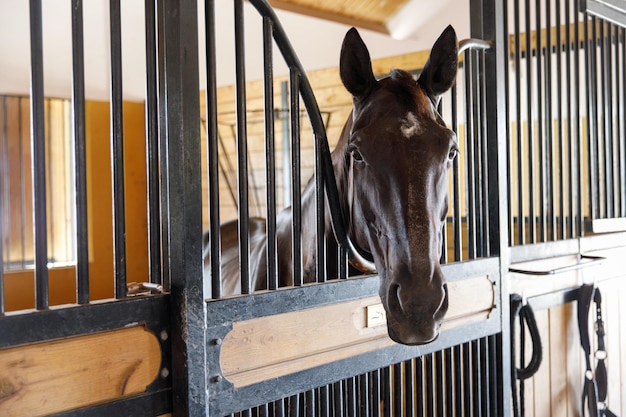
(456, 185)
(578, 122)
(521, 178)
(604, 137)
(50, 190)
(324, 401)
(242, 150)
(22, 187)
(351, 397)
(183, 177)
(213, 141)
(458, 381)
(592, 129)
(541, 140)
(270, 154)
(440, 377)
(338, 403)
(622, 128)
(572, 144)
(80, 159)
(38, 153)
(410, 378)
(375, 390)
(152, 145)
(284, 93)
(447, 362)
(163, 134)
(309, 396)
(363, 396)
(619, 122)
(320, 256)
(469, 149)
(487, 221)
(561, 154)
(117, 151)
(398, 389)
(388, 390)
(549, 136)
(296, 206)
(427, 379)
(532, 221)
(608, 93)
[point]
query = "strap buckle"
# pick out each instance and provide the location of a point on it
(600, 355)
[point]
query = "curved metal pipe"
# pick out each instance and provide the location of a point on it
(473, 43)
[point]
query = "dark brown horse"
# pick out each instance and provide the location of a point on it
(391, 166)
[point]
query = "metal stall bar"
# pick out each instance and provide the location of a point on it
(482, 161)
(242, 150)
(212, 135)
(492, 25)
(80, 148)
(532, 221)
(456, 185)
(38, 146)
(470, 150)
(152, 146)
(549, 203)
(270, 154)
(117, 151)
(561, 220)
(572, 147)
(578, 127)
(592, 113)
(296, 203)
(182, 179)
(541, 140)
(621, 125)
(521, 223)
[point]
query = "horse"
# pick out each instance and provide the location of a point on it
(391, 167)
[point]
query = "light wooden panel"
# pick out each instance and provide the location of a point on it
(369, 14)
(55, 376)
(272, 346)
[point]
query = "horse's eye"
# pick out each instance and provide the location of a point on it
(356, 155)
(453, 153)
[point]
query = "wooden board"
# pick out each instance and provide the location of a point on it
(263, 348)
(51, 377)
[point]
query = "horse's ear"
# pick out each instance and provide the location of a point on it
(355, 66)
(440, 70)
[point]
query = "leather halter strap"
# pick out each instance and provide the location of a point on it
(595, 383)
(521, 309)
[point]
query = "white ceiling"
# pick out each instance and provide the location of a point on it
(316, 42)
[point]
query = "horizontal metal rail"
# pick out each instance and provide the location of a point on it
(593, 261)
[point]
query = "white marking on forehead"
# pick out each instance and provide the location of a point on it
(409, 125)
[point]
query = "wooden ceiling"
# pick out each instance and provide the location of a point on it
(367, 14)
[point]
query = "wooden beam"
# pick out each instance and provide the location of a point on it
(55, 376)
(267, 347)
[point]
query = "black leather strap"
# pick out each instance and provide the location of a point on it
(595, 384)
(526, 319)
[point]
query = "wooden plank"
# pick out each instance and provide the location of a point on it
(541, 380)
(272, 346)
(557, 356)
(60, 375)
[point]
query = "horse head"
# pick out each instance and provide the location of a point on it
(393, 159)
